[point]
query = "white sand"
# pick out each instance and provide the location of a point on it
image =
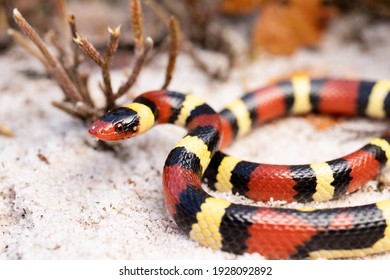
(88, 204)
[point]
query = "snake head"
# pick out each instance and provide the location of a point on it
(118, 124)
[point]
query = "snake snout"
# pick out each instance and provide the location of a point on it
(100, 129)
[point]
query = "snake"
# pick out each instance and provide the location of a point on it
(272, 232)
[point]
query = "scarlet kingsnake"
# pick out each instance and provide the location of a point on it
(275, 233)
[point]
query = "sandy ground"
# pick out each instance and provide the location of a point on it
(88, 204)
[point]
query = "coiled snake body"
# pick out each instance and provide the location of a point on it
(275, 233)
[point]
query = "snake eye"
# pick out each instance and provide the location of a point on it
(119, 128)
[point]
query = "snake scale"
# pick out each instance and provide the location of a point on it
(275, 233)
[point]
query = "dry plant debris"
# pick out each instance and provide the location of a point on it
(284, 26)
(241, 7)
(69, 46)
(321, 123)
(202, 28)
(5, 131)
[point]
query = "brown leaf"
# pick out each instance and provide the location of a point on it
(240, 6)
(281, 28)
(5, 131)
(322, 122)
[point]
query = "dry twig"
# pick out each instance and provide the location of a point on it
(139, 61)
(174, 30)
(202, 28)
(137, 25)
(27, 45)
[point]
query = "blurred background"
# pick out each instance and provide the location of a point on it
(234, 28)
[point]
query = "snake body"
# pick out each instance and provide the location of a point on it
(275, 233)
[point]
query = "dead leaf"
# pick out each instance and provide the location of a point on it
(283, 28)
(320, 122)
(6, 131)
(237, 7)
